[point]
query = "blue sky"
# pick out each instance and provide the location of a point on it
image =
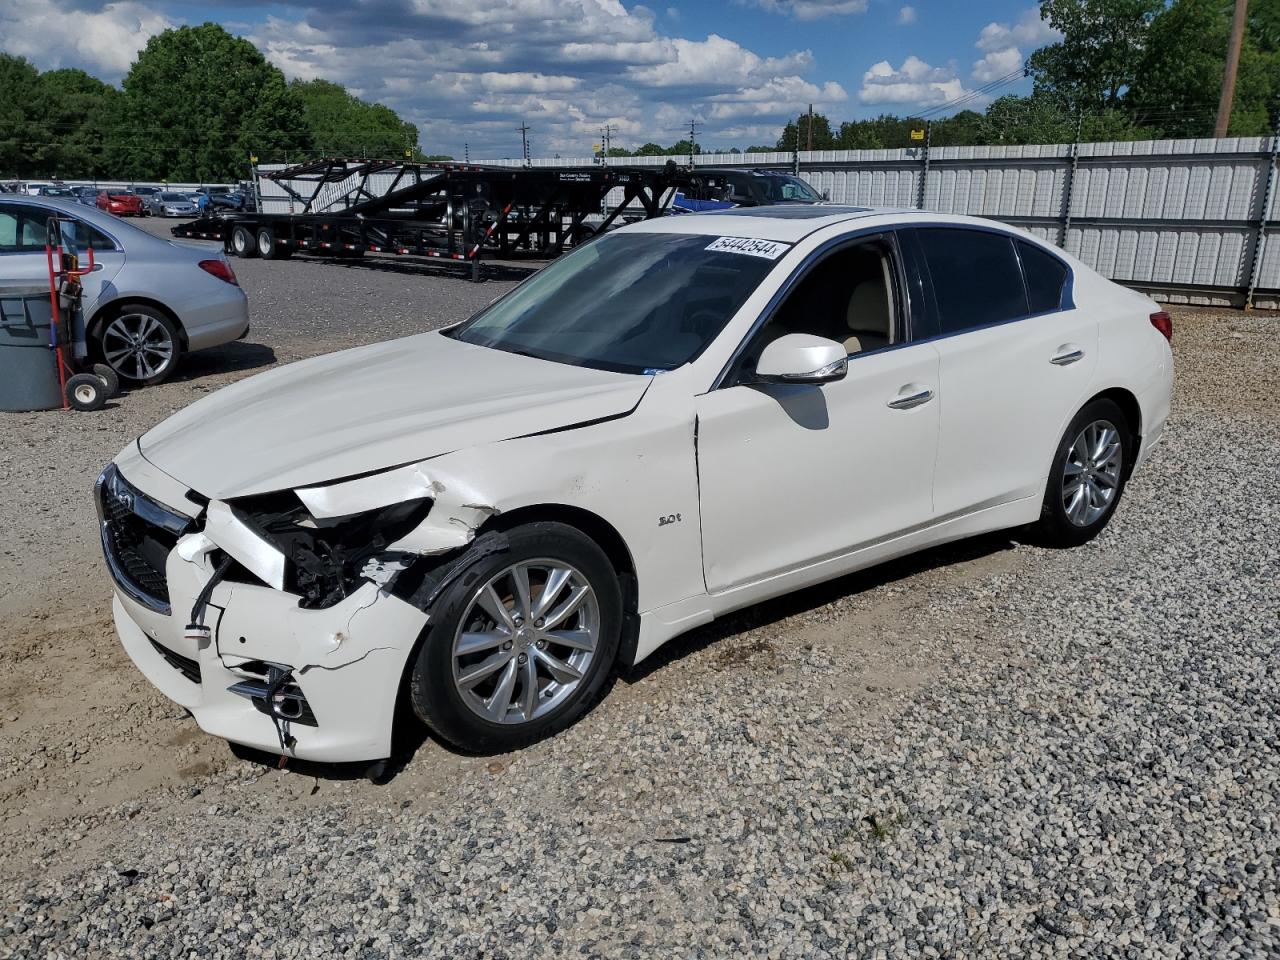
(470, 71)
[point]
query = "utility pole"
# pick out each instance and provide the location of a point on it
(524, 142)
(809, 144)
(693, 134)
(1229, 74)
(605, 137)
(466, 152)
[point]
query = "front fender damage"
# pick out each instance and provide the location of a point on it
(288, 633)
(458, 510)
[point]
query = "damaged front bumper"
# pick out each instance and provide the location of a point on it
(343, 663)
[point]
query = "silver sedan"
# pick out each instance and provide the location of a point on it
(148, 300)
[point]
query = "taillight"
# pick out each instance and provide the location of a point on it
(220, 269)
(1164, 323)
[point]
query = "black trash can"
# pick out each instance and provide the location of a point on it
(28, 369)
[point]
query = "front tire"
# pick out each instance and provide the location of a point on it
(521, 644)
(1090, 469)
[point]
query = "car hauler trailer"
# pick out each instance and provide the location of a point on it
(344, 207)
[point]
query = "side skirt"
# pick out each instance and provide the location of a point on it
(663, 623)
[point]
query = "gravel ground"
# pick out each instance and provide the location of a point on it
(985, 750)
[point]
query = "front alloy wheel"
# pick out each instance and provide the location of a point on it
(521, 643)
(526, 641)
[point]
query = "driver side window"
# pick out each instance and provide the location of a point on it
(848, 296)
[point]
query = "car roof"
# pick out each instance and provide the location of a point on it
(791, 224)
(786, 224)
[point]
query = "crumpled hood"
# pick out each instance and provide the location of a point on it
(363, 410)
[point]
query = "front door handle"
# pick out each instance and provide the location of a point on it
(1068, 353)
(911, 395)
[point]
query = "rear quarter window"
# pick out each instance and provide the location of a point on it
(1046, 277)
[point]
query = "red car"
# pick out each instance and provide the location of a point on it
(120, 202)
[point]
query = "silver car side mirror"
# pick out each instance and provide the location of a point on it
(802, 358)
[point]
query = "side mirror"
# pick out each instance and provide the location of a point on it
(802, 358)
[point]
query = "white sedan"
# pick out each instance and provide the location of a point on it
(676, 420)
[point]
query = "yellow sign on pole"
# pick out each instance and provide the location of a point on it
(917, 134)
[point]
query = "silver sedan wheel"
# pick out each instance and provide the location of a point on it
(1091, 475)
(526, 641)
(137, 346)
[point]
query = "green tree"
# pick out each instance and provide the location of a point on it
(198, 101)
(822, 138)
(1176, 87)
(340, 124)
(650, 150)
(80, 111)
(21, 127)
(759, 149)
(680, 147)
(885, 132)
(1103, 42)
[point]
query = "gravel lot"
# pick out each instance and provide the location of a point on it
(986, 750)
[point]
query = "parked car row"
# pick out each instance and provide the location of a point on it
(150, 200)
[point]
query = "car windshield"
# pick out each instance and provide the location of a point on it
(626, 302)
(56, 192)
(173, 198)
(781, 188)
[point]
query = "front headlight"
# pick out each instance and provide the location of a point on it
(325, 557)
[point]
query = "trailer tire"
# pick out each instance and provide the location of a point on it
(243, 243)
(269, 248)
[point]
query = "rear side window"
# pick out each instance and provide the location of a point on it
(1046, 276)
(976, 277)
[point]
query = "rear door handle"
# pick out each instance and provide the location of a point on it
(1067, 354)
(911, 395)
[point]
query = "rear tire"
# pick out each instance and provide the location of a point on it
(243, 242)
(548, 683)
(269, 248)
(139, 343)
(1087, 480)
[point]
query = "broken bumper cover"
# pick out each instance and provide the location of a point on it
(345, 661)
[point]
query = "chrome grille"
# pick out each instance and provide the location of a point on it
(137, 535)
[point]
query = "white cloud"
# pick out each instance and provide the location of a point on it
(915, 82)
(1030, 31)
(1003, 44)
(104, 41)
(997, 64)
(907, 16)
(813, 9)
(566, 67)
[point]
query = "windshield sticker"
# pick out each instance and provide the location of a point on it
(769, 249)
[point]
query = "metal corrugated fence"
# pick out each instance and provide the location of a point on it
(1188, 221)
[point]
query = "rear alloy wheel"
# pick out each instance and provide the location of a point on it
(243, 242)
(522, 643)
(140, 344)
(1088, 477)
